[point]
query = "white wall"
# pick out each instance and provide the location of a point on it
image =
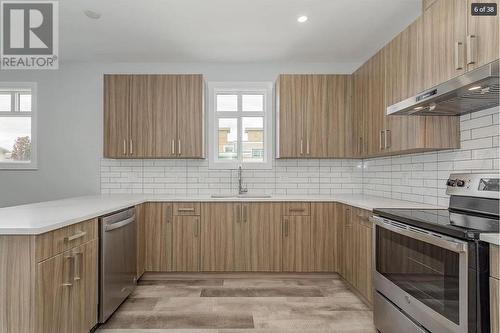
(70, 121)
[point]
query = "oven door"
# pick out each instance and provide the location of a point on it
(422, 273)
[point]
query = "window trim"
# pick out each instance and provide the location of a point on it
(266, 88)
(33, 164)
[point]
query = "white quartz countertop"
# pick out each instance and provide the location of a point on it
(34, 219)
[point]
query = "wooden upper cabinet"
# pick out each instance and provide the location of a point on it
(163, 93)
(153, 116)
(190, 130)
(116, 115)
(444, 41)
(482, 37)
(357, 114)
(312, 113)
(316, 112)
(375, 104)
(338, 136)
(290, 100)
(142, 134)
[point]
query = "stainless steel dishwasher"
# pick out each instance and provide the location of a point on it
(117, 262)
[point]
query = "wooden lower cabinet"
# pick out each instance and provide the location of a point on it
(186, 244)
(296, 244)
(220, 223)
(495, 305)
(66, 291)
(140, 219)
(262, 220)
(158, 236)
(324, 237)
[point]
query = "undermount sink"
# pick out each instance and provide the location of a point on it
(248, 195)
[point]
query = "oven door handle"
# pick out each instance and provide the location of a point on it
(421, 235)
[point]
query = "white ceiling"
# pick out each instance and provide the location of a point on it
(230, 31)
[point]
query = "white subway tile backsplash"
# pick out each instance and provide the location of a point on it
(415, 177)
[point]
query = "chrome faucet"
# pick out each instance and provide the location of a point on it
(241, 189)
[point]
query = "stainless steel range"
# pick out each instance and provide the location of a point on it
(431, 269)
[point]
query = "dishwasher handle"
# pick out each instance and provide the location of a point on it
(120, 224)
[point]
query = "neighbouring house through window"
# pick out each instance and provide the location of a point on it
(240, 125)
(17, 125)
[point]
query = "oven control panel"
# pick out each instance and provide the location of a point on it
(474, 185)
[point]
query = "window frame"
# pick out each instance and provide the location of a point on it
(33, 164)
(264, 88)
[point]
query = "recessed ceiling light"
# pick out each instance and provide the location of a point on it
(91, 14)
(474, 88)
(302, 19)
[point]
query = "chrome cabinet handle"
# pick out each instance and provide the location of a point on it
(301, 147)
(458, 56)
(79, 234)
(382, 140)
(387, 138)
(186, 210)
(78, 262)
(131, 147)
(195, 227)
(173, 147)
(124, 147)
(297, 210)
(70, 272)
(179, 147)
(307, 148)
(471, 49)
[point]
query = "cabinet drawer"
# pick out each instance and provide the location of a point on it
(54, 242)
(186, 208)
(495, 261)
(296, 209)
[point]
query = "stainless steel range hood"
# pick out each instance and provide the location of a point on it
(473, 91)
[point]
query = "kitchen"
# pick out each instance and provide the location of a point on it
(258, 178)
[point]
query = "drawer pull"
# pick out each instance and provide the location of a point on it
(186, 209)
(297, 210)
(70, 272)
(76, 236)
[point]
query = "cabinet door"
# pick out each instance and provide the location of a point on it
(54, 282)
(364, 241)
(375, 104)
(482, 37)
(140, 216)
(338, 137)
(316, 131)
(221, 221)
(403, 78)
(116, 115)
(190, 131)
(142, 133)
(358, 113)
(444, 41)
(350, 245)
(324, 237)
(291, 91)
(158, 239)
(164, 114)
(264, 224)
(186, 244)
(84, 290)
(296, 243)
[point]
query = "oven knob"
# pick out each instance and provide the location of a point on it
(460, 183)
(451, 182)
